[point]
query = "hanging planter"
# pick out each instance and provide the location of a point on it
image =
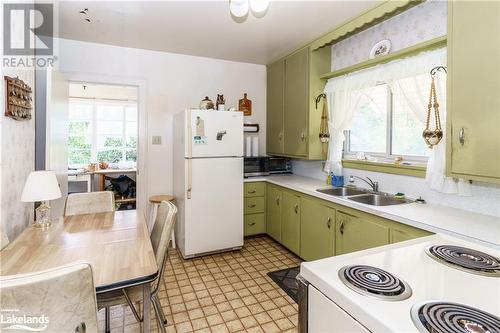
(324, 134)
(433, 137)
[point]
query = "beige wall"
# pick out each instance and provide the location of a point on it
(173, 82)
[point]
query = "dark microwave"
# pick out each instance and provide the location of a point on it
(265, 165)
(256, 166)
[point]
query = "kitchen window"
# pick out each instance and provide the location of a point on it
(102, 131)
(384, 125)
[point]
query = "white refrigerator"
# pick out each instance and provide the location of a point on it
(208, 181)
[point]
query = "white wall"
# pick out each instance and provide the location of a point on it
(173, 83)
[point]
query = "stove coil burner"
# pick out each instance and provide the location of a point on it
(445, 317)
(375, 282)
(465, 259)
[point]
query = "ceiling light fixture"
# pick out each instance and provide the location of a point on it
(238, 8)
(259, 6)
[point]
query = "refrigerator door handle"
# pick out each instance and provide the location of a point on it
(189, 139)
(189, 178)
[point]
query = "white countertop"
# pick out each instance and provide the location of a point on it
(431, 217)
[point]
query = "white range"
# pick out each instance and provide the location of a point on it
(425, 292)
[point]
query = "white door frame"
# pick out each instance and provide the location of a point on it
(142, 153)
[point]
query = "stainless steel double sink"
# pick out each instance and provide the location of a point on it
(364, 196)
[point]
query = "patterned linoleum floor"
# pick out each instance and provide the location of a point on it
(228, 292)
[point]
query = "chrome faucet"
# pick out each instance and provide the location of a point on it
(371, 183)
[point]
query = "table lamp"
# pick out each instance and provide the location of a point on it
(41, 186)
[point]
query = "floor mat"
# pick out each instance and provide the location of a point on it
(285, 278)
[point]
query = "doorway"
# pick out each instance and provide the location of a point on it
(103, 140)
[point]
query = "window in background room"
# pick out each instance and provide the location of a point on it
(102, 131)
(384, 124)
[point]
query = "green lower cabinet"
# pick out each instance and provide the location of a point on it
(317, 229)
(254, 205)
(403, 232)
(273, 212)
(359, 233)
(254, 224)
(290, 221)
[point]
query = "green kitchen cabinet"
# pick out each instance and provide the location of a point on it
(293, 122)
(473, 108)
(275, 107)
(254, 205)
(290, 221)
(296, 103)
(355, 233)
(273, 211)
(317, 229)
(400, 232)
(254, 221)
(254, 189)
(254, 224)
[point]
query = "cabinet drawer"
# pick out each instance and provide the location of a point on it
(254, 224)
(254, 189)
(254, 205)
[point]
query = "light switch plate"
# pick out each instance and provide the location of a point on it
(156, 140)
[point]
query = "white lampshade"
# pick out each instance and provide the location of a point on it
(41, 186)
(259, 6)
(238, 8)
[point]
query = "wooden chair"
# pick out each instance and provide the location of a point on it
(65, 296)
(160, 238)
(89, 203)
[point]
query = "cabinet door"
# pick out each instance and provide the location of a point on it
(273, 210)
(355, 233)
(275, 107)
(317, 229)
(296, 103)
(402, 233)
(290, 222)
(474, 86)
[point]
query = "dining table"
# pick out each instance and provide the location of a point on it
(116, 244)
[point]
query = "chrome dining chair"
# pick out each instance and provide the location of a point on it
(59, 300)
(89, 203)
(160, 239)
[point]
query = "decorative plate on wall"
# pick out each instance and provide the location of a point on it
(381, 48)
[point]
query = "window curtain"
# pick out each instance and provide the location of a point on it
(405, 77)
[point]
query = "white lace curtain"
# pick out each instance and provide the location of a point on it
(404, 77)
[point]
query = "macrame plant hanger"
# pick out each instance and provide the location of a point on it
(433, 137)
(324, 133)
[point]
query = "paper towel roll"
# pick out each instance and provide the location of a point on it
(248, 150)
(255, 146)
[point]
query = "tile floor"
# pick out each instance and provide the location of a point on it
(227, 292)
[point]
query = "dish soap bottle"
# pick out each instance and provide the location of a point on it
(337, 176)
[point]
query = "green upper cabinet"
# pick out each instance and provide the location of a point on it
(290, 221)
(355, 233)
(473, 90)
(293, 121)
(296, 103)
(273, 211)
(275, 107)
(317, 229)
